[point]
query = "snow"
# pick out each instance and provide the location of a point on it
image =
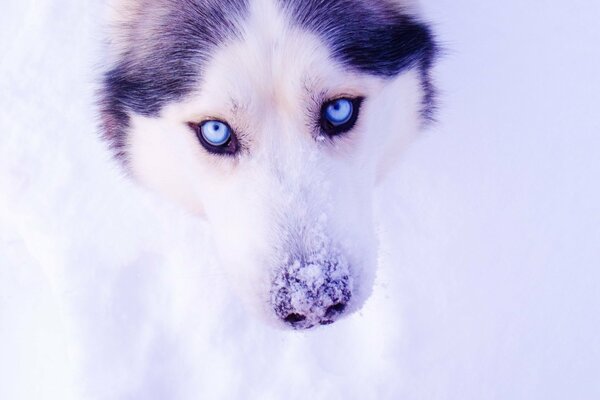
(490, 235)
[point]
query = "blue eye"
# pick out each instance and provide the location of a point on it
(216, 137)
(339, 111)
(340, 115)
(216, 133)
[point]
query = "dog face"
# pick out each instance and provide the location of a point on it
(274, 119)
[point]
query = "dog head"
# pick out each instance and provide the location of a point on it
(273, 119)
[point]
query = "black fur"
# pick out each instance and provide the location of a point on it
(367, 36)
(373, 37)
(172, 60)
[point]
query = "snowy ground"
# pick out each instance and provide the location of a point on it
(490, 263)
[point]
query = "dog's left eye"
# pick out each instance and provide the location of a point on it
(339, 116)
(216, 133)
(216, 137)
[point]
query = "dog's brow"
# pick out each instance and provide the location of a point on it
(182, 41)
(373, 37)
(235, 108)
(389, 40)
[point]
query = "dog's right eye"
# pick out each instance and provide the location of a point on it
(338, 116)
(216, 136)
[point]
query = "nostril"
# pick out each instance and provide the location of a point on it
(294, 318)
(335, 310)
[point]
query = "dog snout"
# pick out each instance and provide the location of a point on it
(305, 295)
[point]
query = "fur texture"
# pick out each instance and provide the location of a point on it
(291, 211)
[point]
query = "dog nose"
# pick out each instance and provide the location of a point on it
(311, 295)
(297, 320)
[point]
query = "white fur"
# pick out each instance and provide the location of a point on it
(489, 266)
(285, 183)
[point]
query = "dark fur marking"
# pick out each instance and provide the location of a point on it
(372, 37)
(368, 36)
(181, 42)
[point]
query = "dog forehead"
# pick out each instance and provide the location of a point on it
(272, 64)
(163, 47)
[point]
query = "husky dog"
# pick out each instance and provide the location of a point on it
(275, 120)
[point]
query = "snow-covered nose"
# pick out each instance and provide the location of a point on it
(306, 294)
